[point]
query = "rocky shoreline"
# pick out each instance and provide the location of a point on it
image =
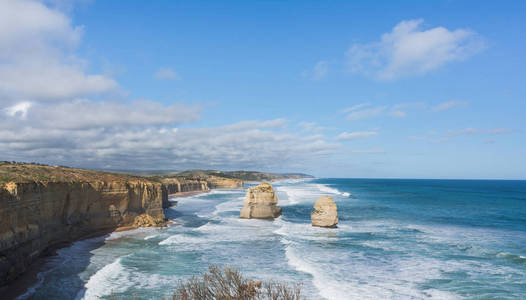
(43, 208)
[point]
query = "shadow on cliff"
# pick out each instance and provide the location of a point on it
(59, 269)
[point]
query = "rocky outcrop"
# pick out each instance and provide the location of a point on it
(37, 216)
(260, 203)
(145, 220)
(179, 185)
(325, 213)
(202, 183)
(216, 182)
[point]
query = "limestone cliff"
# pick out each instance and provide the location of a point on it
(42, 207)
(217, 182)
(35, 216)
(176, 185)
(199, 183)
(260, 203)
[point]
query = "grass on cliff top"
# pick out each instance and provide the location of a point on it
(25, 172)
(34, 172)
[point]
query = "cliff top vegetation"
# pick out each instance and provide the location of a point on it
(27, 172)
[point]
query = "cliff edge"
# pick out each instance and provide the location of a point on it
(44, 206)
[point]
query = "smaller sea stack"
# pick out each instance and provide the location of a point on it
(325, 213)
(260, 203)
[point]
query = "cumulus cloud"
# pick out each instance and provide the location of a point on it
(167, 74)
(37, 46)
(80, 114)
(448, 104)
(355, 135)
(18, 110)
(250, 144)
(410, 49)
(49, 113)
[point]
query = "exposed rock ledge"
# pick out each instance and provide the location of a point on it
(260, 203)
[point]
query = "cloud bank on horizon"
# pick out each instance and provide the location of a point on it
(56, 107)
(53, 112)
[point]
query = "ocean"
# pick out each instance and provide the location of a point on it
(396, 239)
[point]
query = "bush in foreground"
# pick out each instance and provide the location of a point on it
(229, 284)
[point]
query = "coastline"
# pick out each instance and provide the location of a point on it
(30, 278)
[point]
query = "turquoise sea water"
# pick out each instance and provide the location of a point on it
(397, 239)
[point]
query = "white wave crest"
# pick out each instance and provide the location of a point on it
(112, 277)
(330, 190)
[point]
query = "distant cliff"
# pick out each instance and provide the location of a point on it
(45, 206)
(245, 175)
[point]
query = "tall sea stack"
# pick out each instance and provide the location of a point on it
(260, 203)
(325, 213)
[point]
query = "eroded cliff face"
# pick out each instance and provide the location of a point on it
(35, 216)
(216, 182)
(179, 185)
(204, 183)
(43, 207)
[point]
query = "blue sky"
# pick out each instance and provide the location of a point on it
(414, 89)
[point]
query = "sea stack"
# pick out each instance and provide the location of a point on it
(325, 213)
(260, 203)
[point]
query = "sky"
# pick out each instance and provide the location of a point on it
(377, 89)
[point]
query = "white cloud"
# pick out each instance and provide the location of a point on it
(155, 143)
(410, 50)
(19, 109)
(366, 110)
(355, 107)
(82, 114)
(366, 113)
(448, 104)
(37, 46)
(318, 72)
(166, 73)
(355, 135)
(48, 113)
